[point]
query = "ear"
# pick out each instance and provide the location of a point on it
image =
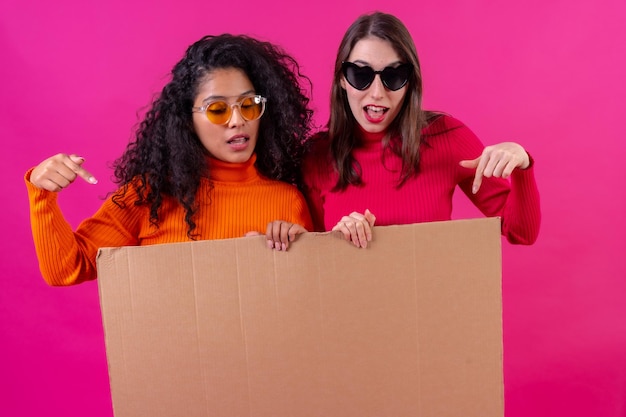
(342, 83)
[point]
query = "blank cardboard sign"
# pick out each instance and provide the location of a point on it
(410, 326)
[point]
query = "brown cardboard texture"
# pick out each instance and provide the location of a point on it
(410, 326)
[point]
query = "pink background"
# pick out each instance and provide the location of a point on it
(547, 74)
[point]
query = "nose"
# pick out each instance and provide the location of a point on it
(377, 89)
(236, 119)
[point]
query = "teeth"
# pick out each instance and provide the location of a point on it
(375, 109)
(238, 140)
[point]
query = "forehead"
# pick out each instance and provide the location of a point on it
(225, 82)
(374, 51)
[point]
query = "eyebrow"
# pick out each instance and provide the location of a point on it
(365, 63)
(213, 98)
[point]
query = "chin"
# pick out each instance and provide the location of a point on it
(374, 128)
(240, 158)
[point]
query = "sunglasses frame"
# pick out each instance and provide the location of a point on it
(346, 65)
(257, 98)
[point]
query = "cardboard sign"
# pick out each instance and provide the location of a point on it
(410, 326)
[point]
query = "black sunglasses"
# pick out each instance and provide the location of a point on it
(393, 78)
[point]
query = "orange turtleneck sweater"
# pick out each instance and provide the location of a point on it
(240, 201)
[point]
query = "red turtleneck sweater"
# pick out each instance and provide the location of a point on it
(240, 201)
(427, 196)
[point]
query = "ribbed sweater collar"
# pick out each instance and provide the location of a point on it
(371, 140)
(233, 172)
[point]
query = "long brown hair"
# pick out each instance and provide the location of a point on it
(404, 134)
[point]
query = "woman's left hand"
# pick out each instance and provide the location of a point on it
(497, 161)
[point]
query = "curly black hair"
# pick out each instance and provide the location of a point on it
(166, 158)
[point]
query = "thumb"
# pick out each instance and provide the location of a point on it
(369, 216)
(77, 159)
(470, 163)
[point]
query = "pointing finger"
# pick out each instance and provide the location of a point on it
(76, 165)
(478, 177)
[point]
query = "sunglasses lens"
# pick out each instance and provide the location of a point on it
(252, 108)
(395, 78)
(218, 112)
(358, 77)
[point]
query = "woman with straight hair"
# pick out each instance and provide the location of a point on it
(385, 160)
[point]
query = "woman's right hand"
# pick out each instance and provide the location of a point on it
(59, 171)
(280, 233)
(357, 227)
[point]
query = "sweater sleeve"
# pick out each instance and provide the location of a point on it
(316, 206)
(522, 212)
(301, 212)
(316, 177)
(68, 257)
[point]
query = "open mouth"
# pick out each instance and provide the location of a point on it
(375, 113)
(376, 110)
(238, 143)
(238, 140)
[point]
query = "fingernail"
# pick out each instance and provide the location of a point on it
(284, 246)
(474, 189)
(270, 244)
(93, 180)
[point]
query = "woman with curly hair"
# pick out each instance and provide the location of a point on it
(217, 156)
